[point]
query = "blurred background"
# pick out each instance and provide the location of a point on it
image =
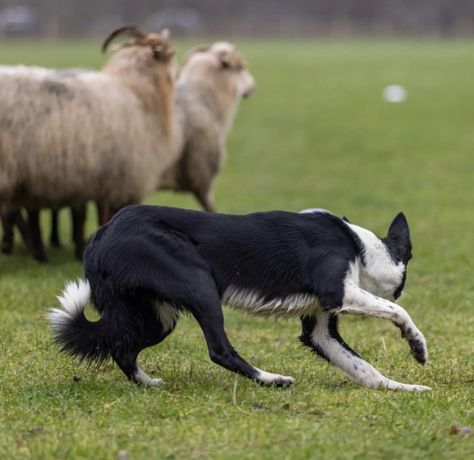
(333, 18)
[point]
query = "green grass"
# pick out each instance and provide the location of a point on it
(316, 133)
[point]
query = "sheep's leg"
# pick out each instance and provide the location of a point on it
(23, 228)
(10, 219)
(104, 213)
(78, 223)
(8, 236)
(205, 199)
(54, 238)
(37, 248)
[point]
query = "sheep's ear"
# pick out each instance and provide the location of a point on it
(160, 43)
(225, 59)
(230, 60)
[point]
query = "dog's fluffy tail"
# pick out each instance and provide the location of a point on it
(75, 334)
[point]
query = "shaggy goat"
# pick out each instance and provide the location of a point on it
(71, 137)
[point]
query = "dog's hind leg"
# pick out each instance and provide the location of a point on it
(359, 302)
(157, 324)
(128, 364)
(320, 333)
(207, 310)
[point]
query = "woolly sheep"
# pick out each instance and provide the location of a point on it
(70, 137)
(211, 83)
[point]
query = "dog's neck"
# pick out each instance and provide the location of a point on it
(377, 273)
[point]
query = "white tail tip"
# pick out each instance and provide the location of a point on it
(73, 299)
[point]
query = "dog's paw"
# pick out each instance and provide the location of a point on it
(417, 343)
(397, 386)
(406, 387)
(154, 383)
(419, 350)
(142, 379)
(283, 382)
(268, 379)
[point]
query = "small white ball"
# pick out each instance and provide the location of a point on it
(394, 93)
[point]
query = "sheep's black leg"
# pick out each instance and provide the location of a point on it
(104, 213)
(8, 235)
(78, 223)
(10, 219)
(23, 227)
(37, 247)
(54, 238)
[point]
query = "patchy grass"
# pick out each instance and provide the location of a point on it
(317, 133)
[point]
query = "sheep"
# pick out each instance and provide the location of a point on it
(211, 82)
(108, 136)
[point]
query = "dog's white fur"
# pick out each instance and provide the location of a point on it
(73, 300)
(251, 302)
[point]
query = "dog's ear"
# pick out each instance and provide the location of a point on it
(345, 219)
(398, 238)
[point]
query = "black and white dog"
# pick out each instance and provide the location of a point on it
(150, 263)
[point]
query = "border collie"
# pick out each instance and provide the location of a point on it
(150, 263)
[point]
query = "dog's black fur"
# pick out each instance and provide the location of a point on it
(148, 257)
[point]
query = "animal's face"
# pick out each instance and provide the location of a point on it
(226, 65)
(399, 246)
(385, 259)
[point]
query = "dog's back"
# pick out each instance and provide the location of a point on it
(275, 254)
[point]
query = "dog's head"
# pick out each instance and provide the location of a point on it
(399, 247)
(384, 269)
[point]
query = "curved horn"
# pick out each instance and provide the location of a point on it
(131, 31)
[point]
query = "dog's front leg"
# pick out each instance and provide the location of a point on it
(210, 318)
(320, 333)
(360, 302)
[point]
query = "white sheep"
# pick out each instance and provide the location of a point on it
(70, 137)
(211, 82)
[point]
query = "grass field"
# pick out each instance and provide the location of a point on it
(316, 134)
